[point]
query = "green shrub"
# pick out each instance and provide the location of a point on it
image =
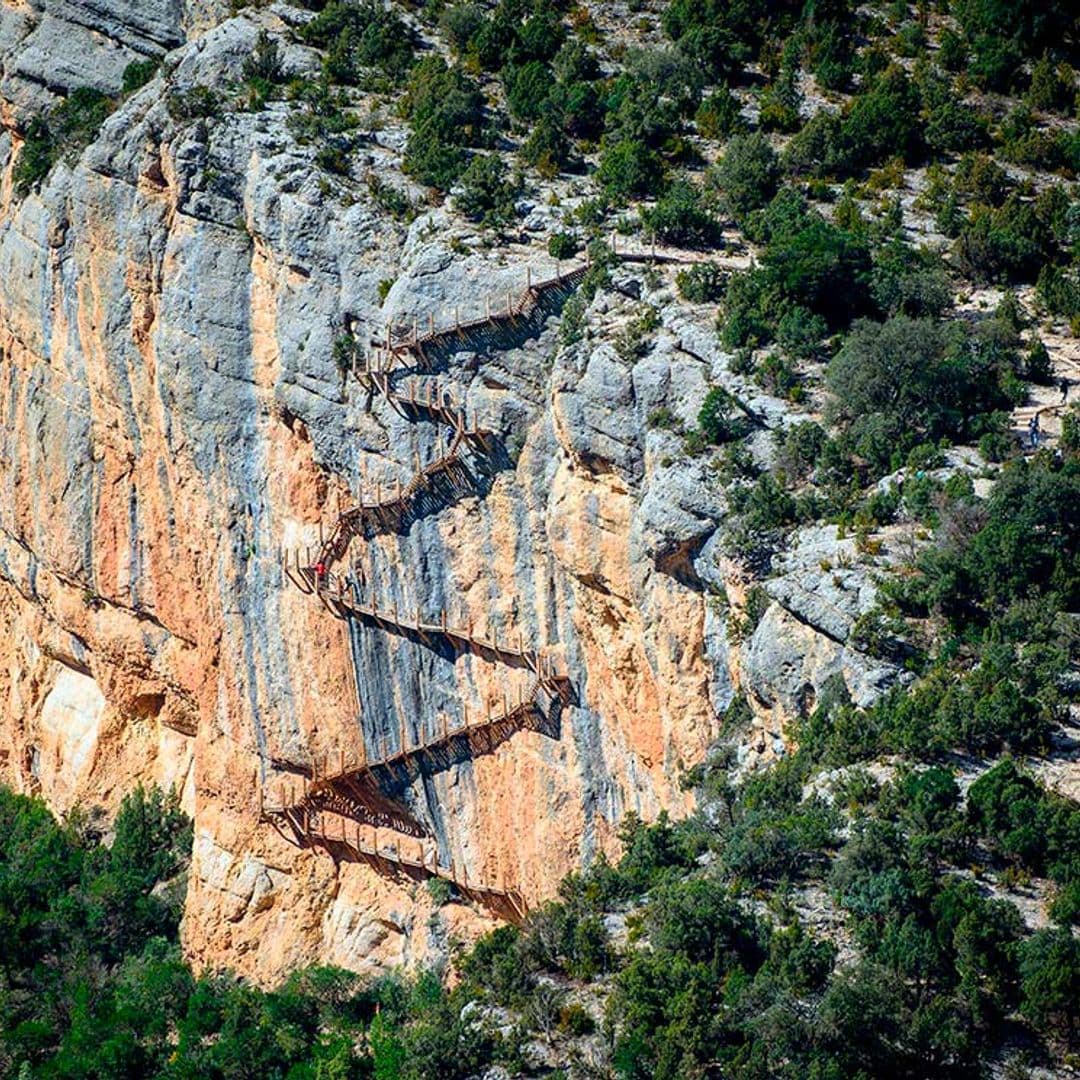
(717, 416)
(909, 281)
(579, 109)
(954, 127)
(1059, 291)
(1070, 431)
(575, 1021)
(1026, 549)
(431, 160)
(628, 168)
(812, 263)
(1050, 980)
(716, 37)
(1038, 367)
(35, 158)
(447, 98)
(360, 34)
(816, 150)
(446, 109)
(779, 104)
(995, 62)
(748, 174)
(777, 375)
(1052, 87)
(701, 283)
(909, 380)
(547, 147)
(137, 74)
(527, 89)
(264, 63)
(63, 132)
(800, 332)
(487, 194)
(996, 446)
(799, 447)
(195, 103)
(951, 52)
(681, 218)
(1004, 245)
(460, 25)
(389, 198)
(719, 116)
(563, 245)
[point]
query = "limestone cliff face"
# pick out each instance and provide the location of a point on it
(173, 416)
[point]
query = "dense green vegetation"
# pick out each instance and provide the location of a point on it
(93, 984)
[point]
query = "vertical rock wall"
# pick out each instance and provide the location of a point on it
(173, 415)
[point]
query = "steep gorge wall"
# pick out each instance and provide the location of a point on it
(173, 416)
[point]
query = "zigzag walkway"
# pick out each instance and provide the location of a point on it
(401, 341)
(361, 792)
(339, 597)
(507, 904)
(1022, 414)
(364, 783)
(446, 477)
(360, 801)
(393, 508)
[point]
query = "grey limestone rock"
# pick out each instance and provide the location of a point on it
(679, 509)
(820, 588)
(786, 662)
(599, 416)
(50, 47)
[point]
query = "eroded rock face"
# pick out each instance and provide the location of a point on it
(50, 47)
(173, 417)
(821, 587)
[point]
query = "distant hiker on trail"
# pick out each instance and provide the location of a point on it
(320, 570)
(1064, 389)
(1033, 432)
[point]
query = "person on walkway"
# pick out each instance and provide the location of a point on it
(1064, 385)
(1033, 432)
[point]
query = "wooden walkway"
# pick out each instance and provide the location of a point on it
(361, 793)
(348, 845)
(362, 800)
(363, 780)
(339, 597)
(392, 507)
(1022, 415)
(400, 341)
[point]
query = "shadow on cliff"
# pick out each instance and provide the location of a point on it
(465, 745)
(469, 476)
(500, 333)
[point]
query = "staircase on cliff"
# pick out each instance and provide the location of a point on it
(362, 792)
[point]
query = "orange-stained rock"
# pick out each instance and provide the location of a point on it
(173, 417)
